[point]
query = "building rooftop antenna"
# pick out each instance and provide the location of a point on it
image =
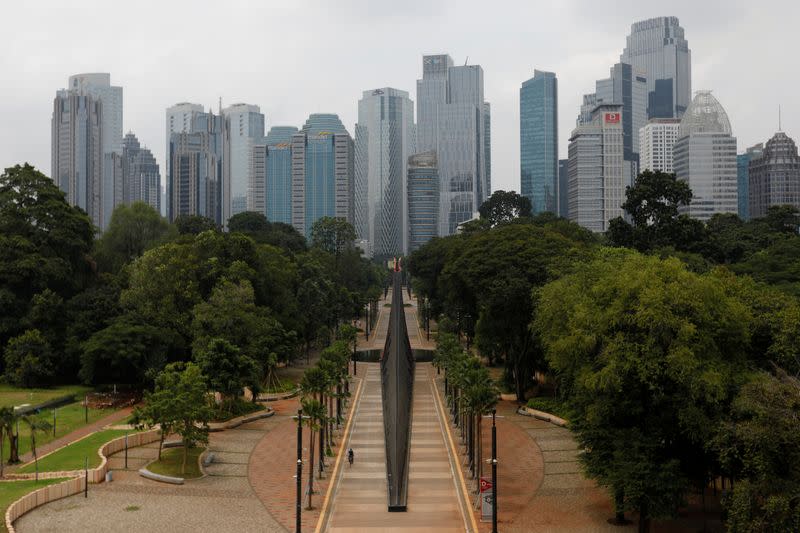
(779, 117)
(466, 61)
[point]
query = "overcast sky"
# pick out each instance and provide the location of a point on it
(298, 57)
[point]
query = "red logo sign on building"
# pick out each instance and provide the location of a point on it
(612, 118)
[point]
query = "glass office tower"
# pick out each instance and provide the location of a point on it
(538, 133)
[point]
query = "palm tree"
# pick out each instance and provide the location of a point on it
(315, 384)
(36, 425)
(314, 411)
(8, 418)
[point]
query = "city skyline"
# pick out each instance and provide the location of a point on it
(287, 89)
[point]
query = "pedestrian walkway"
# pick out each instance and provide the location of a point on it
(359, 502)
(416, 335)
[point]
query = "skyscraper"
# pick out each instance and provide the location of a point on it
(77, 151)
(563, 188)
(322, 172)
(423, 199)
(451, 119)
(626, 86)
(198, 168)
(246, 127)
(597, 169)
(270, 189)
(385, 138)
(743, 178)
(656, 143)
(705, 157)
(538, 134)
(98, 86)
(141, 179)
(775, 176)
(179, 120)
(659, 48)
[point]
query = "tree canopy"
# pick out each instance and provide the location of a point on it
(505, 206)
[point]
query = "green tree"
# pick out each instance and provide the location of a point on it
(227, 369)
(29, 360)
(194, 224)
(44, 244)
(505, 206)
(36, 425)
(653, 204)
(649, 356)
(334, 235)
(315, 413)
(127, 351)
(180, 403)
(8, 422)
(248, 222)
(758, 448)
(133, 229)
(777, 265)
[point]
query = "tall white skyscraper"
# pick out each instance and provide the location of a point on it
(246, 128)
(385, 138)
(178, 120)
(658, 47)
(451, 120)
(596, 169)
(98, 86)
(705, 157)
(656, 142)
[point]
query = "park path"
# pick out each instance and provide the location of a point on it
(223, 500)
(416, 335)
(97, 425)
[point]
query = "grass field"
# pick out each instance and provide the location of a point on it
(72, 457)
(171, 460)
(11, 396)
(13, 490)
(68, 418)
(550, 405)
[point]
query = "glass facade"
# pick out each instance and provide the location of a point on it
(385, 138)
(658, 48)
(704, 155)
(423, 199)
(563, 188)
(538, 131)
(246, 128)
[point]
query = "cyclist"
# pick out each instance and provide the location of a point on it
(350, 456)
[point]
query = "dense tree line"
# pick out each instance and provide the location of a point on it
(118, 308)
(673, 344)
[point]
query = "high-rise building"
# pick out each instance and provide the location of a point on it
(659, 49)
(423, 199)
(705, 157)
(451, 119)
(538, 134)
(98, 86)
(656, 142)
(197, 184)
(563, 188)
(270, 190)
(626, 86)
(743, 178)
(77, 152)
(178, 120)
(385, 138)
(597, 169)
(775, 176)
(141, 179)
(487, 147)
(322, 172)
(247, 127)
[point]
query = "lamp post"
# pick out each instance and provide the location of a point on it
(299, 473)
(494, 473)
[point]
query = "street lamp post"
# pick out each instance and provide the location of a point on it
(299, 499)
(494, 473)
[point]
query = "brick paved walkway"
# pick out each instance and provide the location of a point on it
(272, 466)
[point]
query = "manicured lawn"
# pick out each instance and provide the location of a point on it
(72, 457)
(68, 418)
(17, 396)
(171, 461)
(11, 491)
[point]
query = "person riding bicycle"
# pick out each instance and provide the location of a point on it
(350, 456)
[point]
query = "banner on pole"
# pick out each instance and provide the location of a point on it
(486, 499)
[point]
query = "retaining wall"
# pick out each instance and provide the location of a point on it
(73, 486)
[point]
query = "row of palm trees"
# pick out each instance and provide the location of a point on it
(470, 392)
(325, 390)
(9, 427)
